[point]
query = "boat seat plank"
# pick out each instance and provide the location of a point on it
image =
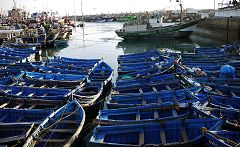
(184, 135)
(163, 136)
(174, 112)
(141, 138)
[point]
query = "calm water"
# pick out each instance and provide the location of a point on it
(98, 40)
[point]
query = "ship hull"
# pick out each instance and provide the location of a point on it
(175, 31)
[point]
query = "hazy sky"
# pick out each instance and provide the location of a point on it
(105, 6)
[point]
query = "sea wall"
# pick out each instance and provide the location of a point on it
(224, 29)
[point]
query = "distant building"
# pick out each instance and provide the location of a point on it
(18, 15)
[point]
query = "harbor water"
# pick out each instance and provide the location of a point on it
(98, 40)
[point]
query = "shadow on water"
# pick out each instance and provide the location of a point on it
(186, 45)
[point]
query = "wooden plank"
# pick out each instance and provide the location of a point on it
(174, 112)
(154, 89)
(141, 91)
(184, 135)
(156, 115)
(141, 138)
(163, 136)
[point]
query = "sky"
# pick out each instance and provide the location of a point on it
(73, 7)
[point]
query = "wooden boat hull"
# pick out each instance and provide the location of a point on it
(65, 123)
(178, 133)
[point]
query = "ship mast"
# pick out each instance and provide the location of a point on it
(82, 11)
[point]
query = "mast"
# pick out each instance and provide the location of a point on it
(82, 11)
(181, 9)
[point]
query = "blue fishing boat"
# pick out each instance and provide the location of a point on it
(88, 93)
(173, 96)
(222, 138)
(101, 73)
(29, 92)
(154, 79)
(142, 114)
(30, 103)
(61, 128)
(57, 79)
(181, 132)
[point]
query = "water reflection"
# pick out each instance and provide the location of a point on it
(183, 45)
